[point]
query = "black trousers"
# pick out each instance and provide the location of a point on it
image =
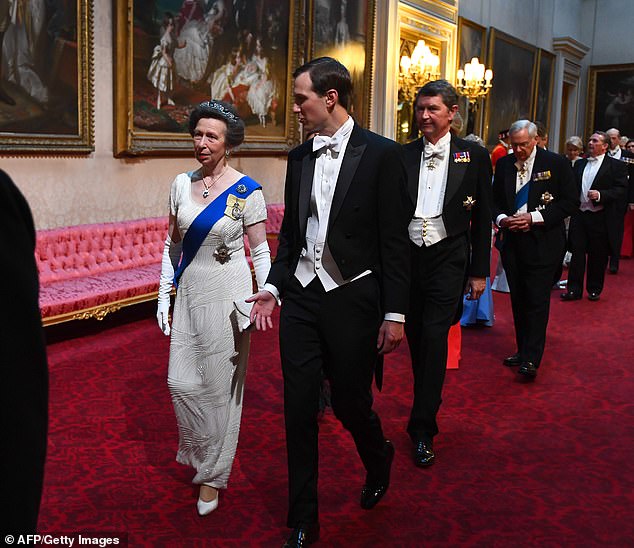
(438, 282)
(334, 332)
(588, 238)
(530, 284)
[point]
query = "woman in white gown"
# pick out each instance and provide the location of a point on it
(222, 78)
(161, 71)
(211, 209)
(198, 36)
(261, 92)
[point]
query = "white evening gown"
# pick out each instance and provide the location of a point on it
(208, 354)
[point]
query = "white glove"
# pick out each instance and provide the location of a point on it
(261, 257)
(171, 256)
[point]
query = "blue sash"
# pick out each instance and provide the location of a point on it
(207, 218)
(521, 198)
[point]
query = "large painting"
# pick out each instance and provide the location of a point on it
(173, 54)
(610, 99)
(46, 76)
(344, 29)
(544, 87)
(471, 38)
(514, 65)
(472, 42)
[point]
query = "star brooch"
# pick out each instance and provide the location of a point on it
(469, 203)
(222, 254)
(546, 198)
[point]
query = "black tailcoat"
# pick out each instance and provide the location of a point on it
(439, 272)
(336, 331)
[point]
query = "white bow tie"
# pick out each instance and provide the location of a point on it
(592, 159)
(437, 150)
(323, 141)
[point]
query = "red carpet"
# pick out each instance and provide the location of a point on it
(547, 463)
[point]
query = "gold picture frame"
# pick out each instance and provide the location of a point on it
(610, 100)
(46, 104)
(514, 65)
(145, 126)
(345, 29)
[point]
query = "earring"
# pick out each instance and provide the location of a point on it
(227, 152)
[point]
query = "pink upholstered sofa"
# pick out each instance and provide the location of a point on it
(87, 271)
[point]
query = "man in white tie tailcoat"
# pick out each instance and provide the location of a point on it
(342, 273)
(449, 183)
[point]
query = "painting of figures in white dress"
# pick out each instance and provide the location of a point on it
(188, 51)
(344, 29)
(45, 82)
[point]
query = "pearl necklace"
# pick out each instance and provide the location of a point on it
(213, 182)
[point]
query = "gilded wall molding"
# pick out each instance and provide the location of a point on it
(443, 9)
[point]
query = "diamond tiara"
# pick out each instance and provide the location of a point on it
(226, 113)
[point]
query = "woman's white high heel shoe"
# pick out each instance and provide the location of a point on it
(205, 507)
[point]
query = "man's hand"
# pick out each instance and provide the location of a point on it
(520, 222)
(475, 288)
(593, 195)
(390, 336)
(262, 309)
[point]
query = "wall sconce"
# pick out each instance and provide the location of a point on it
(474, 81)
(416, 71)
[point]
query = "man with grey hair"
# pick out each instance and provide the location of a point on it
(601, 182)
(616, 211)
(533, 192)
(449, 183)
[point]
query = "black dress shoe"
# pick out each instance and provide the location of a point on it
(613, 270)
(303, 535)
(528, 370)
(372, 492)
(424, 453)
(570, 296)
(593, 296)
(515, 359)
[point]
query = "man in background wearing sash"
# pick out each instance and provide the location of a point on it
(533, 192)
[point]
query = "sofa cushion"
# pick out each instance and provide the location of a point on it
(76, 294)
(84, 250)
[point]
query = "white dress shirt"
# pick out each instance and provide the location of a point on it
(524, 174)
(589, 173)
(427, 227)
(616, 153)
(316, 259)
